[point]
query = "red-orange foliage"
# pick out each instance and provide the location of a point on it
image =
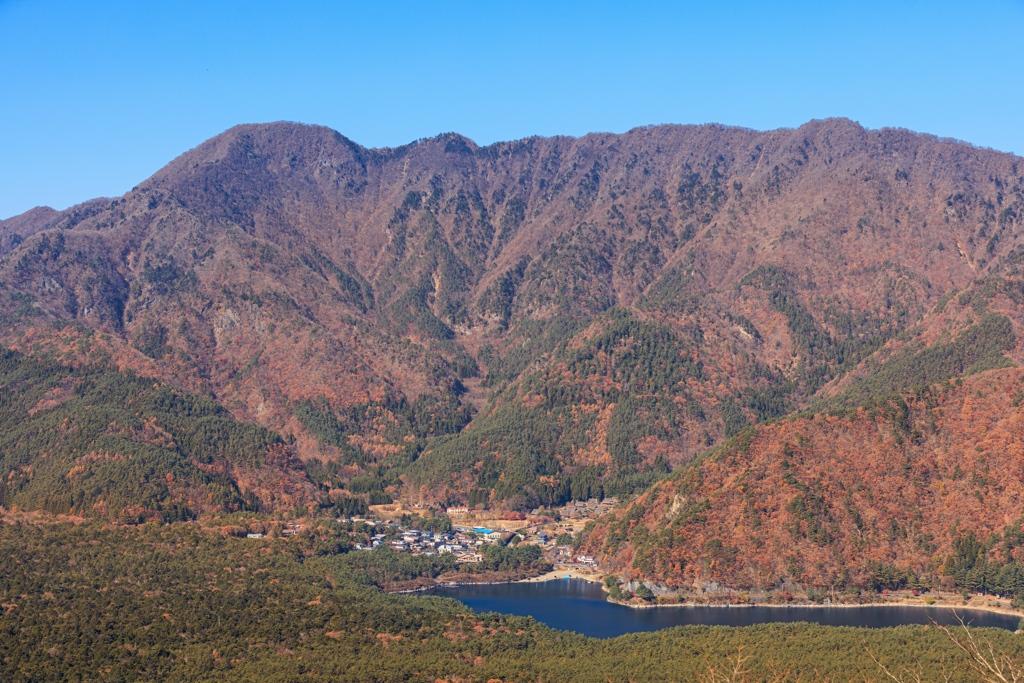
(816, 498)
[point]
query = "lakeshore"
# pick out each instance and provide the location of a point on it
(981, 603)
(591, 576)
(582, 606)
(956, 605)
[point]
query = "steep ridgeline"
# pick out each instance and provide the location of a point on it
(523, 322)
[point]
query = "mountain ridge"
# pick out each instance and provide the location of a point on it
(366, 303)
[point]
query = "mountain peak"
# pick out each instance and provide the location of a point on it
(16, 228)
(295, 143)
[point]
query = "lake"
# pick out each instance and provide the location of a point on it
(580, 606)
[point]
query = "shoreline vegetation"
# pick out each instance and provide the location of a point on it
(897, 602)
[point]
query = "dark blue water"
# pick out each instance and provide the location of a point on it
(576, 605)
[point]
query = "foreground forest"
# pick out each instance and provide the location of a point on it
(184, 602)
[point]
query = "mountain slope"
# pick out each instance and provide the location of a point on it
(913, 451)
(368, 302)
(97, 442)
(831, 500)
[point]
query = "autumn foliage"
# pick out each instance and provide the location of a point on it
(824, 500)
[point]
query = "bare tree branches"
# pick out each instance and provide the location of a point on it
(982, 656)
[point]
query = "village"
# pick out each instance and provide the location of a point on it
(464, 544)
(552, 529)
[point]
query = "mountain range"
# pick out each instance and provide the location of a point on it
(694, 315)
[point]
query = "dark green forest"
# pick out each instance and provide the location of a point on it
(99, 442)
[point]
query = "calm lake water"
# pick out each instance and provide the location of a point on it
(576, 605)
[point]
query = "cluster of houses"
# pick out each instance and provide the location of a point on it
(563, 553)
(464, 544)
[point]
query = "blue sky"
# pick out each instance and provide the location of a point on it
(95, 97)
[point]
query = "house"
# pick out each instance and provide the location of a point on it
(585, 559)
(254, 535)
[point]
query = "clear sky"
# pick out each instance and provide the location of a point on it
(96, 96)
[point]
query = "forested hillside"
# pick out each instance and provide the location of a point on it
(884, 494)
(101, 443)
(903, 473)
(524, 322)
